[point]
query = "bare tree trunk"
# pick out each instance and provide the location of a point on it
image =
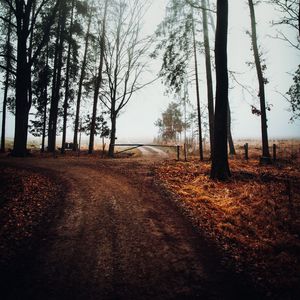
(22, 100)
(209, 82)
(7, 76)
(229, 131)
(230, 139)
(220, 167)
(56, 85)
(82, 76)
(112, 135)
(98, 81)
(265, 143)
(67, 83)
(197, 94)
(45, 97)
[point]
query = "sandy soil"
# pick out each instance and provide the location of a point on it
(117, 235)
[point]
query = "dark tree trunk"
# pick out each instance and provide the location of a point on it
(230, 139)
(265, 143)
(98, 82)
(67, 84)
(22, 100)
(299, 19)
(209, 82)
(23, 78)
(4, 112)
(82, 77)
(220, 167)
(111, 149)
(45, 99)
(197, 94)
(6, 83)
(44, 120)
(56, 85)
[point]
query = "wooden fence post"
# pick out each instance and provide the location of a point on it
(178, 152)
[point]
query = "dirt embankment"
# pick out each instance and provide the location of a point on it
(113, 235)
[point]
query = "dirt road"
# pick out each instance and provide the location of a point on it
(118, 236)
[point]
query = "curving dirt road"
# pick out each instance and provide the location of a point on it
(118, 236)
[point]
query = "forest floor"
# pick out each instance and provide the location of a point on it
(254, 217)
(85, 228)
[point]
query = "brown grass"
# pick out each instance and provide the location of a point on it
(254, 217)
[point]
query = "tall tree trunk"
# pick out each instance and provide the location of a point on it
(209, 82)
(56, 84)
(98, 82)
(4, 112)
(45, 99)
(67, 83)
(7, 76)
(82, 77)
(230, 139)
(53, 89)
(22, 101)
(220, 167)
(111, 149)
(265, 143)
(229, 130)
(197, 94)
(23, 78)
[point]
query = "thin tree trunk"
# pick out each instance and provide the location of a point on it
(56, 86)
(30, 48)
(98, 82)
(7, 76)
(67, 84)
(220, 167)
(45, 99)
(209, 82)
(4, 113)
(197, 94)
(44, 120)
(230, 139)
(265, 143)
(82, 77)
(111, 149)
(54, 83)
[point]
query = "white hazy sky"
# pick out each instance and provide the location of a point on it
(136, 123)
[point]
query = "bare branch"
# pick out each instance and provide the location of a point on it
(191, 3)
(8, 21)
(8, 70)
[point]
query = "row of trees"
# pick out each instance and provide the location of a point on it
(62, 56)
(59, 56)
(179, 47)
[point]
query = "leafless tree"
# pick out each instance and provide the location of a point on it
(125, 59)
(290, 16)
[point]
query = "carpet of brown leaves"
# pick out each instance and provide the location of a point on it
(254, 217)
(25, 200)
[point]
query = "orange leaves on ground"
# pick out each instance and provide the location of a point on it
(249, 216)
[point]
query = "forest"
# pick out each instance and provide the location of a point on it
(84, 60)
(71, 68)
